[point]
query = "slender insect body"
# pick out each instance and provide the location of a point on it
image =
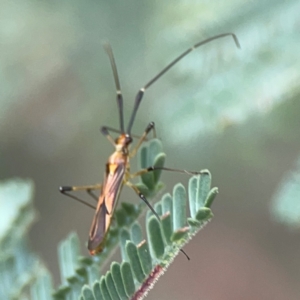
(118, 168)
(105, 208)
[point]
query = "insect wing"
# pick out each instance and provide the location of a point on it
(105, 208)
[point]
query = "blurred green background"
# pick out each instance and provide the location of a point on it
(235, 112)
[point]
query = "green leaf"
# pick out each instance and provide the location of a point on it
(193, 223)
(159, 162)
(155, 237)
(124, 237)
(286, 204)
(203, 214)
(179, 234)
(115, 269)
(203, 188)
(134, 260)
(127, 278)
(111, 286)
(166, 203)
(87, 293)
(97, 291)
(42, 288)
(193, 188)
(136, 233)
(18, 265)
(93, 273)
(68, 252)
(158, 208)
(17, 211)
(211, 197)
(179, 207)
(150, 154)
(167, 227)
(104, 289)
(145, 257)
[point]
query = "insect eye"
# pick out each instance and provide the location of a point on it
(128, 139)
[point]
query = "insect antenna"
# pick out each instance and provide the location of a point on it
(141, 92)
(110, 54)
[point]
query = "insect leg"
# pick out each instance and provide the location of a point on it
(150, 206)
(105, 130)
(153, 168)
(65, 190)
(150, 126)
(128, 183)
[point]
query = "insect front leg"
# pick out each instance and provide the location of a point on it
(105, 131)
(150, 126)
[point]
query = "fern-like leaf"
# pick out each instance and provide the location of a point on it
(286, 201)
(144, 259)
(18, 265)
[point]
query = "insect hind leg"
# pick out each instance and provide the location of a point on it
(153, 168)
(128, 183)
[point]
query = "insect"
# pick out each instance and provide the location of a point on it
(117, 171)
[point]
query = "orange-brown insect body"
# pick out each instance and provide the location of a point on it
(117, 171)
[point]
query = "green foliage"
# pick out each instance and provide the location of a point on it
(232, 84)
(144, 259)
(286, 201)
(42, 288)
(18, 266)
(227, 86)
